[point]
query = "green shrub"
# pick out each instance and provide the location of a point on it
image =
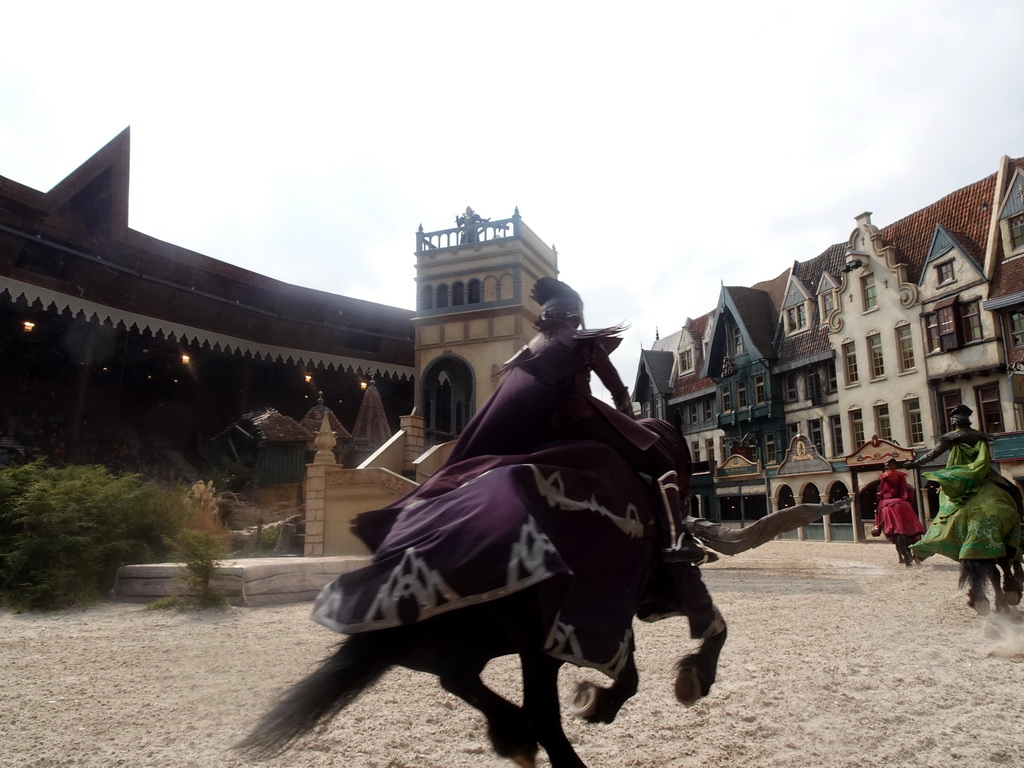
(200, 551)
(65, 531)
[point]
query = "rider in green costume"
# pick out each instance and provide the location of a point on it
(978, 518)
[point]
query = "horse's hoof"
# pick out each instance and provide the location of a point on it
(688, 688)
(584, 701)
(981, 606)
(524, 762)
(1012, 598)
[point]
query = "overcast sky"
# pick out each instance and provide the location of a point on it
(663, 148)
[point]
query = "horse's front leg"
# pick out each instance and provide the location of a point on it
(1013, 584)
(697, 672)
(600, 705)
(543, 709)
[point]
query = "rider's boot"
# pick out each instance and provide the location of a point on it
(677, 544)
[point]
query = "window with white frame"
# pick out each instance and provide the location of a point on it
(835, 428)
(875, 359)
(944, 272)
(760, 397)
(725, 398)
(741, 394)
(850, 361)
(1017, 232)
(695, 450)
(789, 391)
(857, 426)
(737, 341)
(915, 425)
(953, 324)
(883, 424)
(1017, 329)
(769, 448)
(869, 291)
(905, 345)
(816, 434)
(828, 303)
(685, 361)
(796, 318)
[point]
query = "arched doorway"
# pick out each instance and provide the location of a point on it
(447, 398)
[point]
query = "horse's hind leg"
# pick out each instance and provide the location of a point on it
(902, 548)
(600, 705)
(507, 727)
(543, 709)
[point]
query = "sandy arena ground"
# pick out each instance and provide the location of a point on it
(837, 656)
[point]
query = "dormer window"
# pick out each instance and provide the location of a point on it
(1017, 232)
(828, 303)
(737, 340)
(796, 318)
(944, 272)
(685, 361)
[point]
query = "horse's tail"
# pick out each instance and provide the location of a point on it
(336, 683)
(974, 572)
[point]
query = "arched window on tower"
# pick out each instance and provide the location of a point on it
(474, 291)
(426, 297)
(458, 294)
(447, 399)
(442, 295)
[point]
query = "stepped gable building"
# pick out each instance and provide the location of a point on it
(875, 340)
(160, 342)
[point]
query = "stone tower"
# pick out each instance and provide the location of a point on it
(473, 312)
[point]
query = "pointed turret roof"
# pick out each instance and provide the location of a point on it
(315, 416)
(371, 429)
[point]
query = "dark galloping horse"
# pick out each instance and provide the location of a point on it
(456, 647)
(549, 558)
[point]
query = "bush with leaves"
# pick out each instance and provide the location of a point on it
(64, 531)
(200, 551)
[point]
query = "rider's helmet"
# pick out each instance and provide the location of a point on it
(558, 301)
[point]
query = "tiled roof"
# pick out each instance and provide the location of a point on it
(831, 260)
(687, 385)
(667, 343)
(809, 344)
(659, 368)
(275, 427)
(315, 417)
(965, 212)
(758, 315)
(1008, 277)
(371, 429)
(775, 289)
